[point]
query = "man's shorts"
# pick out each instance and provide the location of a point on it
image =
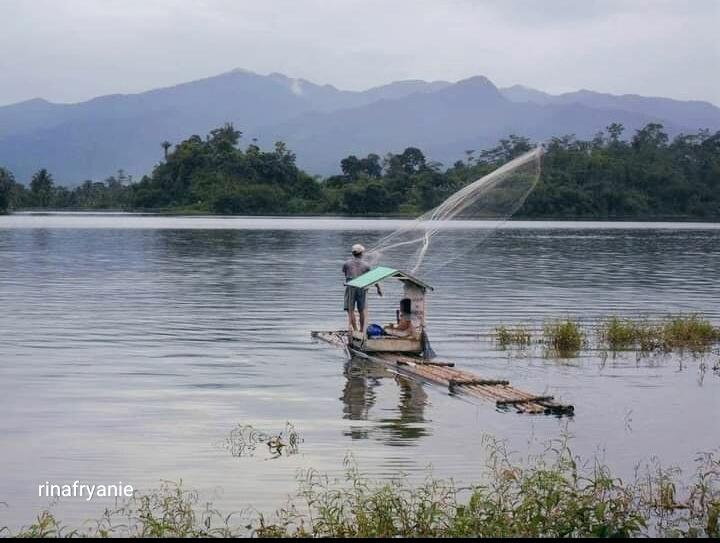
(354, 297)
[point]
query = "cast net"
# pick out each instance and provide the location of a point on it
(430, 242)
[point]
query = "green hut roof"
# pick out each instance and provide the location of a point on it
(381, 273)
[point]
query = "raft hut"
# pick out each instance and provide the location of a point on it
(403, 347)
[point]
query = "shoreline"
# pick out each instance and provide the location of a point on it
(367, 217)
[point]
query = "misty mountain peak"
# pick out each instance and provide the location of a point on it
(477, 87)
(34, 102)
(478, 83)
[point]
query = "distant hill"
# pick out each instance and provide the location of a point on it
(322, 124)
(690, 114)
(470, 114)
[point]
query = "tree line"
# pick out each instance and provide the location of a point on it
(646, 176)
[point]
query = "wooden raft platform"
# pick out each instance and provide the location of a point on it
(457, 381)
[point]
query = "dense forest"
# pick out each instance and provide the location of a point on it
(609, 177)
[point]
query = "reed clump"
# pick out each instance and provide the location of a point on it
(519, 336)
(689, 332)
(682, 332)
(619, 333)
(565, 337)
(552, 495)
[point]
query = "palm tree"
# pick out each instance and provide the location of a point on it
(166, 145)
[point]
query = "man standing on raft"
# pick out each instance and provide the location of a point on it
(356, 297)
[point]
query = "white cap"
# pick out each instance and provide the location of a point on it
(358, 249)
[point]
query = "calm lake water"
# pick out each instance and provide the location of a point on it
(131, 346)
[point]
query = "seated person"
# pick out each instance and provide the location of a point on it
(404, 326)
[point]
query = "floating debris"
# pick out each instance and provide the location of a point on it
(243, 440)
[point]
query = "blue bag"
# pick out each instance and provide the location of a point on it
(375, 330)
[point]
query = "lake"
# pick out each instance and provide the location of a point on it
(131, 346)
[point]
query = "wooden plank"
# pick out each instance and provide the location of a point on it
(467, 382)
(444, 373)
(532, 399)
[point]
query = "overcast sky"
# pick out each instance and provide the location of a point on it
(71, 50)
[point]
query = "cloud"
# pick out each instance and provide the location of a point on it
(296, 87)
(77, 49)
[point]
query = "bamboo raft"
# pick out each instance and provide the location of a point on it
(457, 381)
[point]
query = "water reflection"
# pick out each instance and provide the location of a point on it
(398, 426)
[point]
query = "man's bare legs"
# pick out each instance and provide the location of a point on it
(363, 316)
(351, 320)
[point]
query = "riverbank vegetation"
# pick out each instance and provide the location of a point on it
(555, 494)
(691, 333)
(607, 177)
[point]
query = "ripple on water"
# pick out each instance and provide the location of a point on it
(129, 345)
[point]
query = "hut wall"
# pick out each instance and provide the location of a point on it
(417, 296)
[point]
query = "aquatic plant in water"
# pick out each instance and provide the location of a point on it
(681, 332)
(506, 336)
(689, 332)
(618, 333)
(564, 337)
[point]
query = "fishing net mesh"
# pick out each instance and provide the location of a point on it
(421, 246)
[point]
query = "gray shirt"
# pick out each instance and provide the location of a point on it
(354, 267)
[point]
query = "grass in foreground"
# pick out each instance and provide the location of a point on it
(553, 495)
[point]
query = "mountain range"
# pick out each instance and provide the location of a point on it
(320, 123)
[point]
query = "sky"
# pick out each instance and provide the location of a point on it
(73, 50)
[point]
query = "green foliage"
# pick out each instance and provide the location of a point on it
(619, 333)
(648, 177)
(7, 182)
(605, 177)
(554, 494)
(113, 193)
(46, 526)
(551, 497)
(214, 175)
(678, 333)
(170, 511)
(564, 337)
(608, 178)
(689, 332)
(41, 188)
(518, 335)
(681, 332)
